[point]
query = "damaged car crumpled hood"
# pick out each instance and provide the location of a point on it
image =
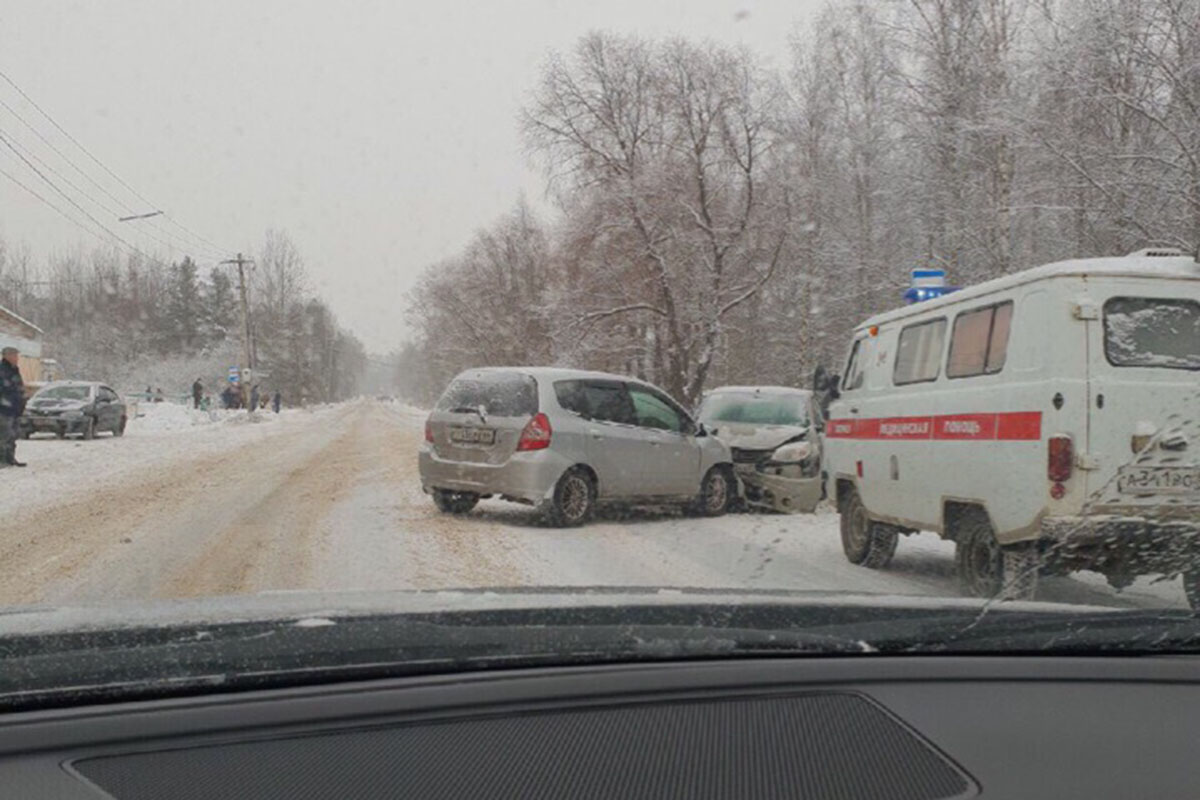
(757, 437)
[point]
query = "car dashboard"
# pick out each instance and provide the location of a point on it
(920, 728)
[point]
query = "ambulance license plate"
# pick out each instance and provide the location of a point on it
(1159, 480)
(472, 435)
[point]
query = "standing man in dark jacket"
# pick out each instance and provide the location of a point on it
(197, 393)
(277, 401)
(12, 405)
(253, 398)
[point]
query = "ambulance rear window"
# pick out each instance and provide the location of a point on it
(1152, 332)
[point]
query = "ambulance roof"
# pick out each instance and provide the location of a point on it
(1137, 266)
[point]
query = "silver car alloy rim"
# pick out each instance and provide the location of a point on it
(717, 493)
(575, 498)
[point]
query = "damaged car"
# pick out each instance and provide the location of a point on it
(773, 433)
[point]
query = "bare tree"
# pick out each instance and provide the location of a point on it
(669, 143)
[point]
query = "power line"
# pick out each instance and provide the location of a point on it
(65, 158)
(104, 167)
(65, 215)
(11, 142)
(182, 244)
(68, 198)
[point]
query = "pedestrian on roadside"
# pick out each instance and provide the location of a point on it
(227, 398)
(12, 405)
(158, 395)
(197, 393)
(253, 398)
(276, 401)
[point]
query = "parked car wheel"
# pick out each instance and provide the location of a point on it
(574, 499)
(89, 430)
(985, 568)
(120, 429)
(864, 541)
(716, 492)
(454, 502)
(61, 433)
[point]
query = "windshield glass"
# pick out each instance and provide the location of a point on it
(383, 307)
(755, 409)
(1152, 332)
(65, 393)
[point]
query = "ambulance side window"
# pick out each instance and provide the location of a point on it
(919, 352)
(854, 372)
(979, 343)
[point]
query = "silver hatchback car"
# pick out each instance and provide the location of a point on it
(564, 440)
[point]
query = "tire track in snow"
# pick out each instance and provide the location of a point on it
(270, 545)
(117, 540)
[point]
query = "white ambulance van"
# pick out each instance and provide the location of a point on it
(1046, 422)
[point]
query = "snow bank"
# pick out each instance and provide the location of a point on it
(162, 417)
(156, 418)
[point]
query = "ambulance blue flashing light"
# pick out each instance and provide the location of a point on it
(927, 284)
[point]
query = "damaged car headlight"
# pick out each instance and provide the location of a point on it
(791, 453)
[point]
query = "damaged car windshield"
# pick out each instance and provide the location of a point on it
(755, 409)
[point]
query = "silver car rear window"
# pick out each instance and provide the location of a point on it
(503, 394)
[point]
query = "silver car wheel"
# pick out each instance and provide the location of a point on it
(576, 497)
(716, 492)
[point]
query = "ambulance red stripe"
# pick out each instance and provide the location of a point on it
(1001, 426)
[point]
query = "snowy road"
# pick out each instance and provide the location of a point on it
(329, 499)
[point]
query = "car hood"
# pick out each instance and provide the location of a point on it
(62, 656)
(295, 606)
(756, 437)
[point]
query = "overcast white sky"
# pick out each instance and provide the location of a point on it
(379, 135)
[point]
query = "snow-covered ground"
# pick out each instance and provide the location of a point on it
(162, 434)
(190, 504)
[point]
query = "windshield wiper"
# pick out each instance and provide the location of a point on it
(476, 410)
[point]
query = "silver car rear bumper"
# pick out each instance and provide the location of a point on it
(527, 476)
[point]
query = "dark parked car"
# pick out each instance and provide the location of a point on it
(82, 407)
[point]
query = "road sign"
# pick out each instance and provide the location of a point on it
(233, 374)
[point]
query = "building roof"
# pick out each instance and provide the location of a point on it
(13, 315)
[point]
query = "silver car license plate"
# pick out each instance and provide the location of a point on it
(472, 435)
(1159, 480)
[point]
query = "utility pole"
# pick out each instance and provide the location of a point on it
(246, 364)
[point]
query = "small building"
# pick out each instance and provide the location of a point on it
(27, 338)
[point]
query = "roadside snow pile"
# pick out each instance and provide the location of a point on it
(249, 418)
(159, 417)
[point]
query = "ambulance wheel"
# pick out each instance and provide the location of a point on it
(865, 542)
(1191, 587)
(985, 569)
